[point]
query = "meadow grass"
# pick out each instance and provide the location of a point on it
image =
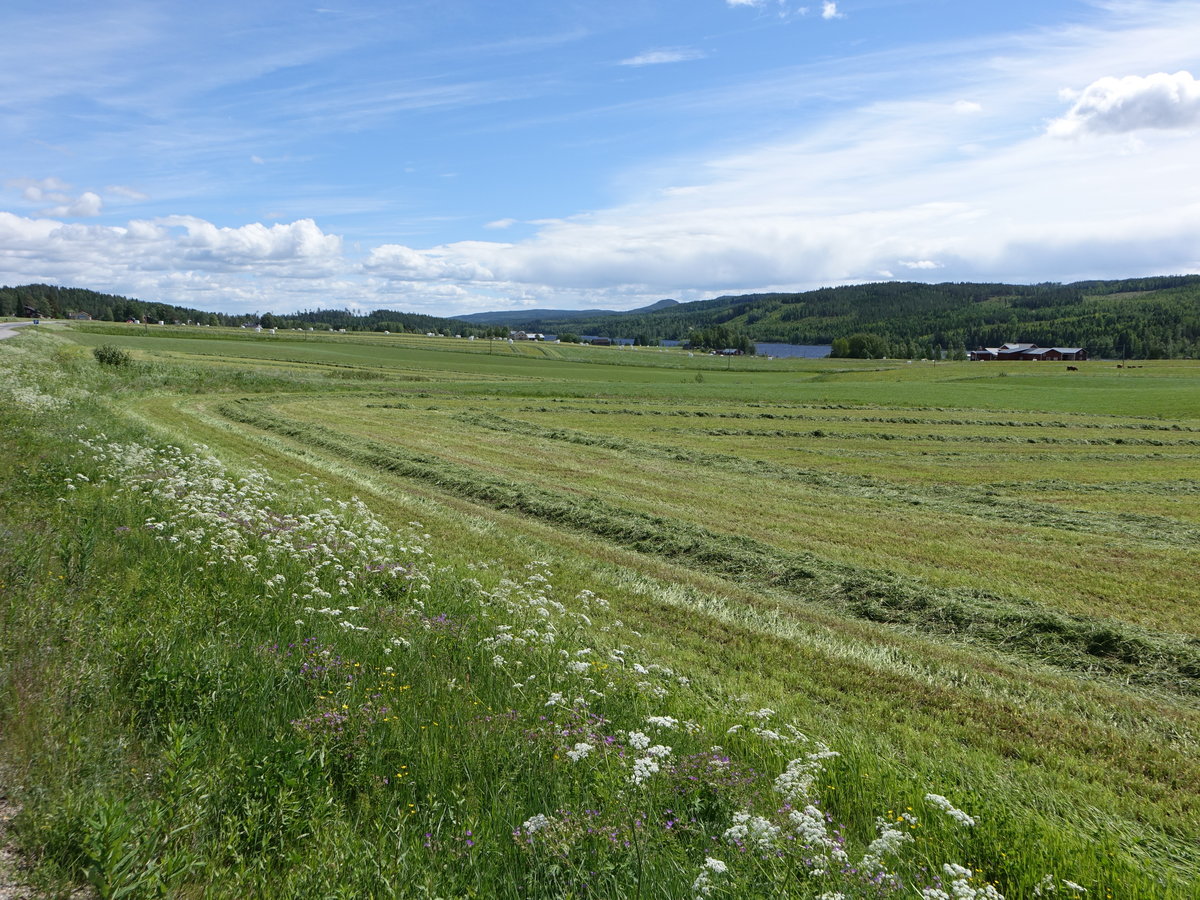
(222, 683)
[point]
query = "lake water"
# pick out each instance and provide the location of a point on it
(795, 351)
(804, 351)
(800, 351)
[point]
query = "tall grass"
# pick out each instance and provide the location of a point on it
(214, 683)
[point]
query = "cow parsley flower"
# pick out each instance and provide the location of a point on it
(752, 831)
(535, 823)
(703, 886)
(581, 751)
(638, 740)
(949, 809)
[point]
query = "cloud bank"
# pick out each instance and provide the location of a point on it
(1120, 105)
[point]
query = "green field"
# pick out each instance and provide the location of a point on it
(971, 579)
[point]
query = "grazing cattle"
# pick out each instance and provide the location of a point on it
(1072, 368)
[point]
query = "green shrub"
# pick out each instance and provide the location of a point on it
(108, 355)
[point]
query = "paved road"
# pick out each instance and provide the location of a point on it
(8, 329)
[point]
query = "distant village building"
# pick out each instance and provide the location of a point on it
(1028, 352)
(526, 335)
(80, 316)
(601, 342)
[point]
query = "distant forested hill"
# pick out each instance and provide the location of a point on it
(520, 318)
(1139, 317)
(55, 302)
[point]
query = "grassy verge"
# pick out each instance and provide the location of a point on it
(216, 683)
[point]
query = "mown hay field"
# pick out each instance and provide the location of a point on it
(970, 577)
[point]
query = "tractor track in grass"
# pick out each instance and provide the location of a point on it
(981, 503)
(1016, 626)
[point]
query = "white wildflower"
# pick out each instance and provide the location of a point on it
(536, 823)
(752, 831)
(581, 751)
(889, 842)
(949, 809)
(703, 886)
(638, 740)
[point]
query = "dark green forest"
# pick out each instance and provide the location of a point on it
(1132, 318)
(54, 302)
(1135, 318)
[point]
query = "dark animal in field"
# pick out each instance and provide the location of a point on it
(1072, 368)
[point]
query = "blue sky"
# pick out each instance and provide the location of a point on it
(458, 156)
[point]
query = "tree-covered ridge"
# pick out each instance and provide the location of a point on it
(56, 302)
(1138, 317)
(1150, 317)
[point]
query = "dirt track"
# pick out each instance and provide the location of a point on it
(8, 329)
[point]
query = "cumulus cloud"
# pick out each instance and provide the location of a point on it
(829, 10)
(461, 261)
(85, 205)
(192, 262)
(58, 192)
(111, 254)
(658, 57)
(40, 190)
(1120, 105)
(200, 242)
(924, 264)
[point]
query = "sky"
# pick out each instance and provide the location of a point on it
(467, 155)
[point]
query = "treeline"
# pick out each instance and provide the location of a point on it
(53, 302)
(1139, 317)
(720, 337)
(381, 320)
(1132, 318)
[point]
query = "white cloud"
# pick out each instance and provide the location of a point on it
(1119, 105)
(40, 190)
(126, 192)
(181, 259)
(200, 242)
(501, 223)
(86, 205)
(658, 57)
(785, 8)
(896, 184)
(829, 10)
